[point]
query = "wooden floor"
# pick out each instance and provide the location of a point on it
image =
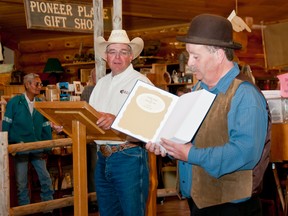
(170, 206)
(173, 206)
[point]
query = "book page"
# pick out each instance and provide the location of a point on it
(187, 116)
(178, 115)
(145, 112)
(202, 101)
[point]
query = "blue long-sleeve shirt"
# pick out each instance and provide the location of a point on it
(247, 127)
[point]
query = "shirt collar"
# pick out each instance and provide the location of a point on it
(28, 100)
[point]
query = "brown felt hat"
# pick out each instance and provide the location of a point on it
(208, 29)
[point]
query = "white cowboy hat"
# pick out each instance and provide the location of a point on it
(118, 36)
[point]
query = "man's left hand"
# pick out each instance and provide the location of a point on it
(177, 150)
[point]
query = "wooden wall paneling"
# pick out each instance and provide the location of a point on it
(252, 54)
(31, 68)
(64, 56)
(55, 44)
(11, 90)
(33, 55)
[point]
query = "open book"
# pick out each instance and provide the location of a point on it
(150, 113)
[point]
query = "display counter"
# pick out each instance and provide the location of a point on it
(279, 159)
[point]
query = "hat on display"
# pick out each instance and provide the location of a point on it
(116, 37)
(213, 30)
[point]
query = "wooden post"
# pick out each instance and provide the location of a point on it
(100, 64)
(4, 175)
(79, 169)
(117, 14)
(151, 207)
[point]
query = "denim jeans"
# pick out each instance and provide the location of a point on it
(122, 182)
(21, 173)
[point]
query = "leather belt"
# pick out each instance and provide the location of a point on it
(108, 150)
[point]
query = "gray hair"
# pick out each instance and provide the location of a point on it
(29, 77)
(228, 51)
(129, 47)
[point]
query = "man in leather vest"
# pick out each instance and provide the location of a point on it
(222, 168)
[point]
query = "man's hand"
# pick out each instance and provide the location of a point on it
(57, 128)
(105, 121)
(176, 150)
(237, 22)
(156, 149)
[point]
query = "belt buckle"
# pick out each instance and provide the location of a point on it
(107, 151)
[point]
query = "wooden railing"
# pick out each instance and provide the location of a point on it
(81, 196)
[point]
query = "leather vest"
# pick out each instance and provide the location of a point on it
(209, 191)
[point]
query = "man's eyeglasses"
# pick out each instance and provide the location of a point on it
(37, 84)
(123, 53)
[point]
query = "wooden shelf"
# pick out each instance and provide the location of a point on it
(78, 63)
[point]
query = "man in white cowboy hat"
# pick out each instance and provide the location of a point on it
(222, 167)
(122, 172)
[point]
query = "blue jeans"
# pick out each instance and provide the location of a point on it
(21, 173)
(122, 182)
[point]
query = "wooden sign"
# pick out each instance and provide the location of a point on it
(59, 16)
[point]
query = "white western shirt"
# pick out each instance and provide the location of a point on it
(110, 93)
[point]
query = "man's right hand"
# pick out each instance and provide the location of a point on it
(106, 120)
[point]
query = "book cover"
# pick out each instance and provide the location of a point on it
(150, 113)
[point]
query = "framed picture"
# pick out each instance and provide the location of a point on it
(84, 75)
(77, 87)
